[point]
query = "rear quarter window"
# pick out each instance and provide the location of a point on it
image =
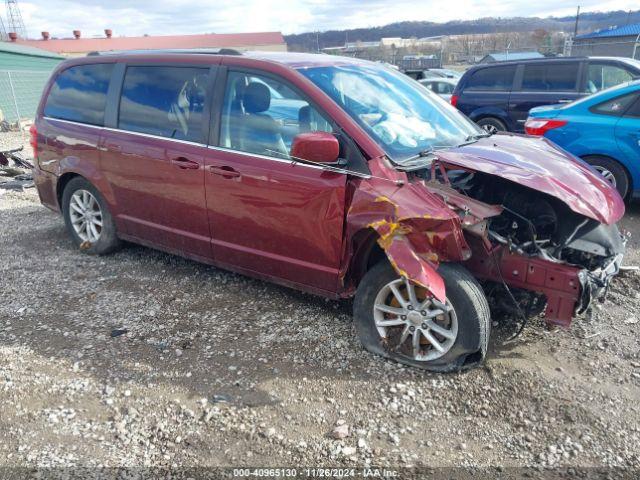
(634, 110)
(79, 94)
(605, 75)
(493, 78)
(616, 106)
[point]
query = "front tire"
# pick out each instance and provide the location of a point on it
(417, 330)
(612, 171)
(88, 219)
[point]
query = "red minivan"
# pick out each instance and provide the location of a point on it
(330, 175)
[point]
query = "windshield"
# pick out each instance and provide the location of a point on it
(402, 116)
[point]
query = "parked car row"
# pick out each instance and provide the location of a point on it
(589, 106)
(602, 129)
(498, 96)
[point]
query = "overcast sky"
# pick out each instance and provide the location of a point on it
(165, 17)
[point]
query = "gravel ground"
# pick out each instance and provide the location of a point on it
(216, 369)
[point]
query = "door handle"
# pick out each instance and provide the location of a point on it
(185, 163)
(224, 171)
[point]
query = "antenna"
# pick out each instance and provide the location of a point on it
(3, 32)
(14, 17)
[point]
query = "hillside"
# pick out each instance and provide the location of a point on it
(588, 21)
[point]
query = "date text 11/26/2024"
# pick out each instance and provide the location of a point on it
(315, 472)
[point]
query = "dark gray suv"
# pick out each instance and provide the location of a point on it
(498, 96)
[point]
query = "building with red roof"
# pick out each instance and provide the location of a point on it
(79, 46)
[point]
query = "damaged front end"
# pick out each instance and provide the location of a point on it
(530, 249)
(537, 244)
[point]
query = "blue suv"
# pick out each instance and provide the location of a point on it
(603, 130)
(498, 96)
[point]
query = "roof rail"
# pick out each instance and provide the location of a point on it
(199, 51)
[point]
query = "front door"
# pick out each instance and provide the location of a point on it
(154, 159)
(270, 216)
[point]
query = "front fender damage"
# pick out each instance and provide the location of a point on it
(529, 249)
(406, 262)
(414, 228)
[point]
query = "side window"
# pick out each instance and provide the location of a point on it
(164, 101)
(79, 94)
(616, 106)
(550, 77)
(494, 78)
(603, 75)
(634, 110)
(262, 115)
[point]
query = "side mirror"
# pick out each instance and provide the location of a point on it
(320, 147)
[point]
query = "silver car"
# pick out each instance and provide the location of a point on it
(441, 86)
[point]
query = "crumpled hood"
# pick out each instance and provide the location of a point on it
(537, 163)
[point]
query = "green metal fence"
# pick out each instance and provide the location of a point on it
(20, 92)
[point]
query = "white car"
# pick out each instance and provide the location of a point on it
(441, 86)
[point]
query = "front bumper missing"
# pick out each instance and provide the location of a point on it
(569, 290)
(594, 284)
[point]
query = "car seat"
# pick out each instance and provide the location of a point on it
(258, 132)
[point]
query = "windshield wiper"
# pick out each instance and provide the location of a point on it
(477, 136)
(427, 153)
(473, 139)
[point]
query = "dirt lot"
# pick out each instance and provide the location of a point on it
(217, 369)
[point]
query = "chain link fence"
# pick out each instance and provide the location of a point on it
(603, 47)
(20, 93)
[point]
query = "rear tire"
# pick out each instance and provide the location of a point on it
(492, 125)
(469, 320)
(88, 219)
(612, 171)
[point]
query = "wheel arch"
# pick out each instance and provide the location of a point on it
(366, 253)
(63, 180)
(503, 121)
(630, 174)
(91, 175)
(492, 112)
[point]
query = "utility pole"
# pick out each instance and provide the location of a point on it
(14, 18)
(575, 29)
(3, 32)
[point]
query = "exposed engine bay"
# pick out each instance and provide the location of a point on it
(535, 224)
(532, 247)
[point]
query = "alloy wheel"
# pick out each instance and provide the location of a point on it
(608, 176)
(414, 323)
(491, 129)
(85, 215)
